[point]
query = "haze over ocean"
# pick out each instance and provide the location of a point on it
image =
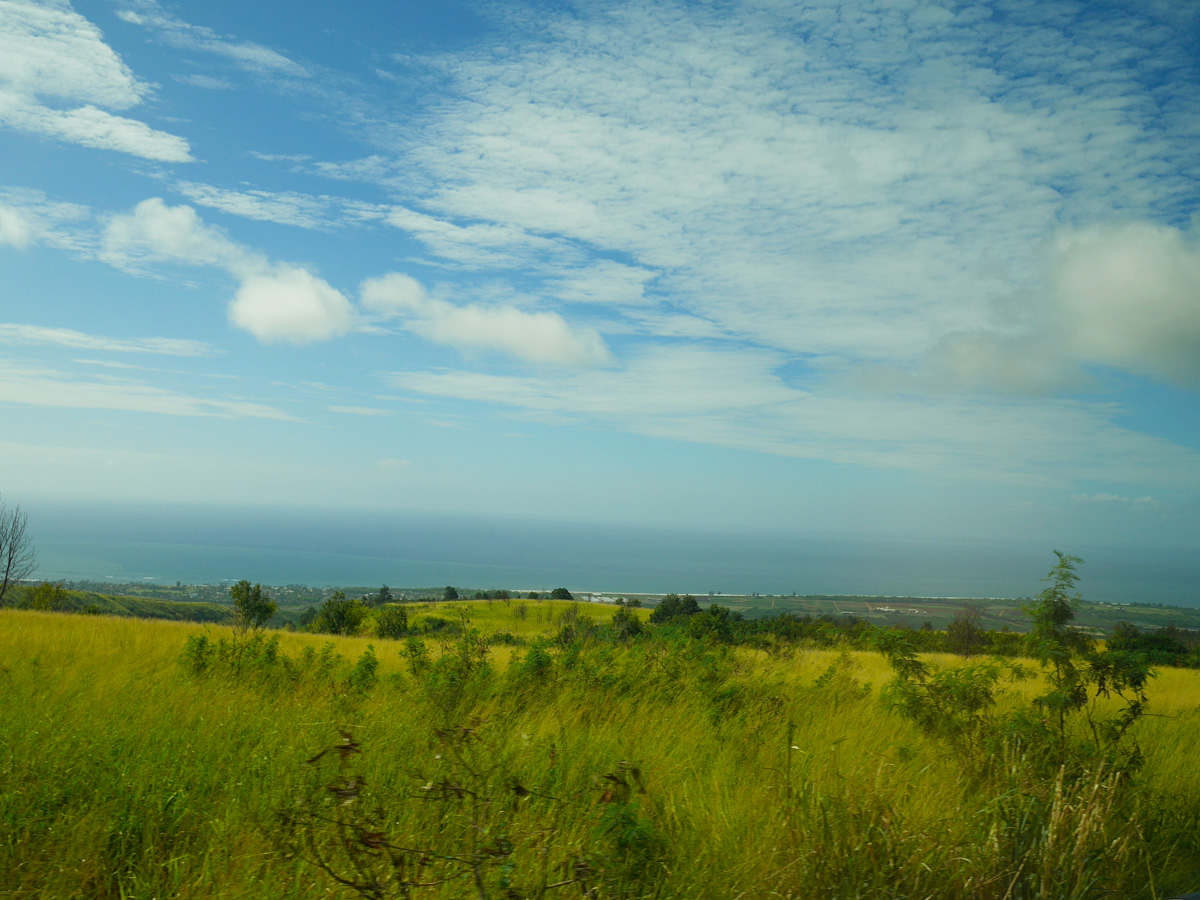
(211, 544)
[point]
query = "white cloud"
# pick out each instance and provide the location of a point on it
(1125, 296)
(537, 337)
(816, 181)
(36, 219)
(50, 56)
(275, 302)
(604, 282)
(1130, 298)
(178, 33)
(64, 337)
(393, 294)
(156, 231)
(14, 230)
(33, 385)
(207, 82)
(284, 208)
(476, 245)
(92, 127)
(737, 398)
(394, 465)
(291, 305)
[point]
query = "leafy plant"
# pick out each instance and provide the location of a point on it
(251, 606)
(391, 622)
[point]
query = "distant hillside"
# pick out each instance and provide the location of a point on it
(136, 607)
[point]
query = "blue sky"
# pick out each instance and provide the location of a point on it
(875, 268)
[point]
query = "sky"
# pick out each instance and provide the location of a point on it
(860, 268)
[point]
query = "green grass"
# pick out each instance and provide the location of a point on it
(138, 607)
(122, 775)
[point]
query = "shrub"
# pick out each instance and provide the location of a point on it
(339, 615)
(626, 624)
(365, 672)
(391, 622)
(417, 655)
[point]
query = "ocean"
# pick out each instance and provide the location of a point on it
(210, 545)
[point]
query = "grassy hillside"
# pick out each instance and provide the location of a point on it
(657, 767)
(80, 601)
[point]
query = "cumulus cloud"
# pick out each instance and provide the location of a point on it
(156, 231)
(275, 302)
(292, 305)
(14, 230)
(1026, 363)
(1123, 296)
(52, 58)
(851, 185)
(537, 337)
(1130, 298)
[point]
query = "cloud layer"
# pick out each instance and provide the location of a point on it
(50, 56)
(275, 302)
(536, 337)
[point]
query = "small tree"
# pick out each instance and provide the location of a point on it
(251, 607)
(47, 596)
(1058, 646)
(339, 615)
(1075, 669)
(450, 593)
(965, 635)
(561, 593)
(391, 622)
(17, 556)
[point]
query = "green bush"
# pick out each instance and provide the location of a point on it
(339, 615)
(391, 622)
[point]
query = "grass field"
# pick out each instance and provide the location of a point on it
(653, 769)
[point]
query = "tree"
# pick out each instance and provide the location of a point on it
(339, 615)
(17, 556)
(1058, 646)
(672, 606)
(1074, 667)
(251, 607)
(625, 623)
(965, 636)
(561, 594)
(450, 593)
(391, 622)
(47, 596)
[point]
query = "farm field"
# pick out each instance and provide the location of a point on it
(139, 761)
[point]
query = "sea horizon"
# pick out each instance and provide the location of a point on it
(210, 545)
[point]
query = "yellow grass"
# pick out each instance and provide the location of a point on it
(121, 775)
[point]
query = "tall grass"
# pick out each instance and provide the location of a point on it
(653, 769)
